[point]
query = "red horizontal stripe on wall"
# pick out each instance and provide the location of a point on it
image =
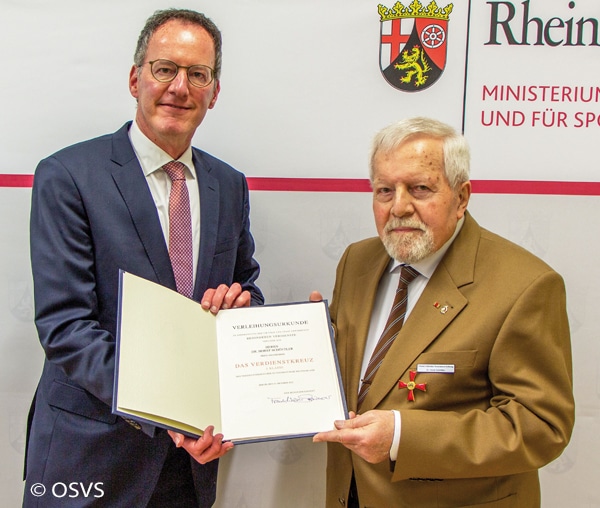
(536, 187)
(16, 180)
(309, 184)
(258, 183)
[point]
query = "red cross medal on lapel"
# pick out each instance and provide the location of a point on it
(412, 386)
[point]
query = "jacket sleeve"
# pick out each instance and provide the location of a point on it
(66, 305)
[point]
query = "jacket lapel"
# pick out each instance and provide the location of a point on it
(209, 221)
(438, 306)
(129, 178)
(366, 283)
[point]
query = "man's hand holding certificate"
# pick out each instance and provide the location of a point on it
(255, 373)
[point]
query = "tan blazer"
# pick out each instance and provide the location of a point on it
(477, 436)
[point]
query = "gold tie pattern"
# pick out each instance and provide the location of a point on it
(391, 330)
(180, 229)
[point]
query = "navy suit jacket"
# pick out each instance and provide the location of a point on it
(92, 214)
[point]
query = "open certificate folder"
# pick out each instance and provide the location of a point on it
(255, 373)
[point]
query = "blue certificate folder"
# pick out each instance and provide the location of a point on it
(255, 373)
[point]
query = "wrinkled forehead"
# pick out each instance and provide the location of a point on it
(417, 160)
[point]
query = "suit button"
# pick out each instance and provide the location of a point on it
(342, 501)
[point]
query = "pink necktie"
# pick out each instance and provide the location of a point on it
(392, 328)
(180, 229)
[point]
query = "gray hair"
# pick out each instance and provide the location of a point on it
(456, 149)
(161, 17)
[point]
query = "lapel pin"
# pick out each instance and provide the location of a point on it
(443, 308)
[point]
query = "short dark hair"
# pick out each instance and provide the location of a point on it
(161, 17)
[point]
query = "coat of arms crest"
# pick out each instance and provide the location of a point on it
(413, 44)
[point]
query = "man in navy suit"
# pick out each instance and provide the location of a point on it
(101, 206)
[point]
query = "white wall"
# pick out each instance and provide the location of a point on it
(301, 96)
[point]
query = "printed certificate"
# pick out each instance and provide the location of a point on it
(255, 373)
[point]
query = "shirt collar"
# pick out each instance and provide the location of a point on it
(151, 156)
(427, 266)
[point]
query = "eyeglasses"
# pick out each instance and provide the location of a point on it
(166, 71)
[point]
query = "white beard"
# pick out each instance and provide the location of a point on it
(408, 247)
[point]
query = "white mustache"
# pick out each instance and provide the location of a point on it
(404, 223)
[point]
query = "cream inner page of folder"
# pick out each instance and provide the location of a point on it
(150, 316)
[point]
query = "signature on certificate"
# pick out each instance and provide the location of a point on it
(299, 399)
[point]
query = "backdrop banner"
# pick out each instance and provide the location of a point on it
(305, 85)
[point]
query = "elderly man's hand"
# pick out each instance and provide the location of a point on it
(369, 435)
(315, 296)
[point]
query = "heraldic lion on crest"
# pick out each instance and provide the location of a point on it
(414, 63)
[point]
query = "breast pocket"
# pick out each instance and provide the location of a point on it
(223, 263)
(450, 379)
(225, 246)
(459, 359)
